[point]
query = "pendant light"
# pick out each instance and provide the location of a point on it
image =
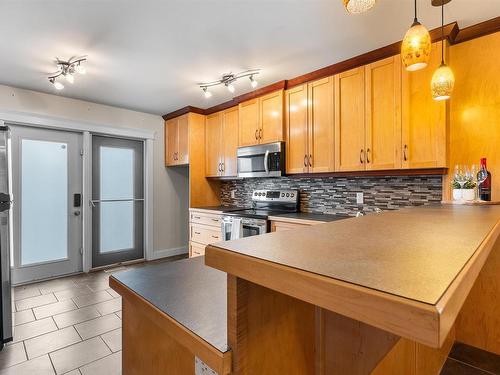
(416, 46)
(359, 6)
(443, 79)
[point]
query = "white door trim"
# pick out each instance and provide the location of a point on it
(88, 129)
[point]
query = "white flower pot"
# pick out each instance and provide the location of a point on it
(457, 194)
(468, 194)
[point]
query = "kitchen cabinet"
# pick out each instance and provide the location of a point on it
(261, 120)
(424, 131)
(350, 120)
(204, 229)
(221, 134)
(383, 114)
(309, 127)
(177, 141)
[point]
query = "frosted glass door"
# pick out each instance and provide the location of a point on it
(117, 200)
(47, 172)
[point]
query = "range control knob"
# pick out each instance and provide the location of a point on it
(292, 195)
(287, 195)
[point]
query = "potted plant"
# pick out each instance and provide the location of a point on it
(466, 193)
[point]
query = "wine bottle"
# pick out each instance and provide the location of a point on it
(484, 188)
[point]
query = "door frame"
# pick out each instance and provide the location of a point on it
(87, 129)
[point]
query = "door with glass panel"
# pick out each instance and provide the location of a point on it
(117, 200)
(47, 187)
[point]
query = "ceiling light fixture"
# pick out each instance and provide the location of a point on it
(416, 46)
(67, 69)
(228, 81)
(359, 6)
(443, 79)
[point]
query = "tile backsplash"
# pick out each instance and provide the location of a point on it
(338, 195)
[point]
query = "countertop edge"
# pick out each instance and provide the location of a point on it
(285, 219)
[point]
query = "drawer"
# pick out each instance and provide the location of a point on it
(278, 226)
(196, 249)
(204, 234)
(204, 218)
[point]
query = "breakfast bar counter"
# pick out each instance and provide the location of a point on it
(345, 293)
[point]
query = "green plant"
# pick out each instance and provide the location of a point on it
(469, 184)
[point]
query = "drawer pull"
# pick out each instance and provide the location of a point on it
(217, 237)
(197, 233)
(217, 220)
(197, 217)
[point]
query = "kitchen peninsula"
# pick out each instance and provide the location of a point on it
(381, 294)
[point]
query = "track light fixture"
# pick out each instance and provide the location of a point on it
(67, 69)
(228, 81)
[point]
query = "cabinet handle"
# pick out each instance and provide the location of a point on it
(216, 220)
(305, 160)
(361, 156)
(405, 158)
(260, 133)
(256, 134)
(197, 217)
(310, 160)
(197, 233)
(216, 237)
(218, 167)
(222, 167)
(367, 155)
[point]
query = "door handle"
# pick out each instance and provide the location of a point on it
(405, 158)
(361, 158)
(76, 213)
(310, 160)
(367, 155)
(266, 161)
(260, 133)
(256, 134)
(305, 160)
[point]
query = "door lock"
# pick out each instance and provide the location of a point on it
(76, 213)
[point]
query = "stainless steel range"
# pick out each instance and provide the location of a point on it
(254, 221)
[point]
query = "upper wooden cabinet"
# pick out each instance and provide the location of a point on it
(221, 135)
(424, 140)
(261, 120)
(350, 120)
(383, 114)
(309, 127)
(177, 141)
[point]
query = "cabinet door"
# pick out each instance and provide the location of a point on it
(171, 141)
(424, 119)
(213, 142)
(321, 126)
(229, 141)
(271, 117)
(183, 131)
(296, 130)
(383, 114)
(350, 120)
(249, 123)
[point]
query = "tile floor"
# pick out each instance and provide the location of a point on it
(70, 325)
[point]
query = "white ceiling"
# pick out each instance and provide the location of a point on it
(148, 55)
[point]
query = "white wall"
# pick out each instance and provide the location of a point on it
(170, 190)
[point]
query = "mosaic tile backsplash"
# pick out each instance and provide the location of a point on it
(336, 195)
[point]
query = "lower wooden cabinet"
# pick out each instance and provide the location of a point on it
(279, 226)
(204, 229)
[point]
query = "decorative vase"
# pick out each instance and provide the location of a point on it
(457, 194)
(468, 194)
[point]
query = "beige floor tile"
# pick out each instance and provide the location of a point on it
(56, 285)
(119, 314)
(109, 307)
(53, 309)
(12, 355)
(113, 293)
(26, 291)
(78, 355)
(98, 285)
(31, 302)
(74, 372)
(113, 339)
(74, 291)
(110, 365)
(91, 299)
(32, 329)
(37, 366)
(96, 327)
(76, 316)
(50, 342)
(22, 317)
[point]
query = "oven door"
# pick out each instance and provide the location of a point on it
(261, 160)
(233, 227)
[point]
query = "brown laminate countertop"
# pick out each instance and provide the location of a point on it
(189, 292)
(414, 253)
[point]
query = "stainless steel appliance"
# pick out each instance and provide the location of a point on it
(266, 160)
(5, 205)
(254, 221)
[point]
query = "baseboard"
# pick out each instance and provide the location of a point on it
(157, 254)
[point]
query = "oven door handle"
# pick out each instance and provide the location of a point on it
(266, 161)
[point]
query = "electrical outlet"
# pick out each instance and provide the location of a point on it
(360, 198)
(233, 194)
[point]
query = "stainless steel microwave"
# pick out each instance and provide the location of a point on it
(266, 160)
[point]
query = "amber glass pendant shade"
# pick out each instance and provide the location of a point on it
(442, 83)
(416, 47)
(359, 6)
